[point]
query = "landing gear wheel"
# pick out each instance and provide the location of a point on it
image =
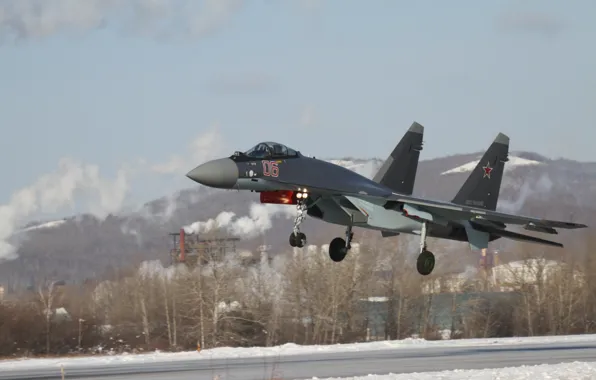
(337, 249)
(425, 263)
(297, 240)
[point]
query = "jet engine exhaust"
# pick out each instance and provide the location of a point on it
(284, 197)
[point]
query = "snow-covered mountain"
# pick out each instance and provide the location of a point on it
(513, 163)
(42, 225)
(83, 246)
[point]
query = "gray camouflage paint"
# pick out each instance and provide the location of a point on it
(341, 196)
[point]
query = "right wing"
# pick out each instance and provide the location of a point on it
(479, 224)
(453, 211)
(474, 206)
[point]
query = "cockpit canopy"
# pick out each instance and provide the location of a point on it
(270, 150)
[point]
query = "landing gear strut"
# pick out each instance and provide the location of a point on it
(338, 249)
(426, 260)
(297, 238)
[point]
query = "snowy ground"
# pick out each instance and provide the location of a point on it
(564, 371)
(287, 349)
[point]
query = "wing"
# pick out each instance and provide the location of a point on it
(483, 216)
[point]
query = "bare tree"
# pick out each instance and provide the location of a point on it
(47, 295)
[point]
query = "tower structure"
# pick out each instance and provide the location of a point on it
(190, 248)
(487, 261)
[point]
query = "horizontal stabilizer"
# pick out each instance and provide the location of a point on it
(558, 224)
(513, 235)
(520, 237)
(540, 228)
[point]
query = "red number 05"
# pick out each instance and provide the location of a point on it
(270, 169)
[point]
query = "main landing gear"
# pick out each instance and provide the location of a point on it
(297, 238)
(426, 260)
(338, 249)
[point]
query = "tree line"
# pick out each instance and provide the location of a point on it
(300, 296)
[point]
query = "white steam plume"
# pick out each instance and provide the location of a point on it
(258, 221)
(528, 188)
(204, 147)
(56, 190)
(29, 19)
(154, 268)
(74, 181)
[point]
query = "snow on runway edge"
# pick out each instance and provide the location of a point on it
(563, 371)
(283, 350)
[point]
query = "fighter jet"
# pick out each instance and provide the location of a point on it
(337, 195)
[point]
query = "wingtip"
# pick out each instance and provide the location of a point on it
(502, 139)
(416, 128)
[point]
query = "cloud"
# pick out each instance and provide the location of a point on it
(530, 22)
(33, 19)
(206, 146)
(54, 191)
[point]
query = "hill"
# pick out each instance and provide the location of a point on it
(83, 247)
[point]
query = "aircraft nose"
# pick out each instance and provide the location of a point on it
(221, 173)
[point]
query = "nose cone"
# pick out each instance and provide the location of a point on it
(221, 173)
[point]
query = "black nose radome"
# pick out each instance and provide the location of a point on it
(221, 173)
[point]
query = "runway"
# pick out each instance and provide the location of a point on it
(344, 364)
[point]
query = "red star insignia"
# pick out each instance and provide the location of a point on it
(487, 170)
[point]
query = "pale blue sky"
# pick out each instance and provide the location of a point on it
(359, 71)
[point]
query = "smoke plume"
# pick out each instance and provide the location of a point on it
(154, 268)
(206, 146)
(33, 19)
(57, 190)
(258, 221)
(528, 189)
(77, 184)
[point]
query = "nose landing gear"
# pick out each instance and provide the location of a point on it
(297, 238)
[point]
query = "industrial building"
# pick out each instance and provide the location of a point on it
(193, 249)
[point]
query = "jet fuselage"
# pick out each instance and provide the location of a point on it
(324, 182)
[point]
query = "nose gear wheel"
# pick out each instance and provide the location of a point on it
(297, 238)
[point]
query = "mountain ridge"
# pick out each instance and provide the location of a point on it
(82, 246)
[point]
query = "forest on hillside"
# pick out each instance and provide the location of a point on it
(301, 297)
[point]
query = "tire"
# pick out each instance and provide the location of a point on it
(337, 249)
(425, 263)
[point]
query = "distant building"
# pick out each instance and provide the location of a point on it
(447, 312)
(191, 249)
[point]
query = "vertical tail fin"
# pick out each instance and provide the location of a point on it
(399, 169)
(482, 187)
